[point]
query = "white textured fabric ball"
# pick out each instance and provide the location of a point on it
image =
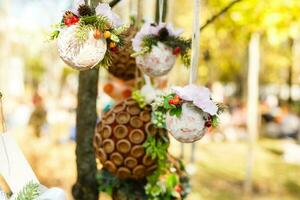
(190, 126)
(2, 195)
(158, 62)
(80, 55)
(53, 194)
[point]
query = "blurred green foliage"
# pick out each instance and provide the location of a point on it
(221, 174)
(224, 43)
(34, 69)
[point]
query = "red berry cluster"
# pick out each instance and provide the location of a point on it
(178, 188)
(176, 51)
(208, 122)
(175, 101)
(70, 19)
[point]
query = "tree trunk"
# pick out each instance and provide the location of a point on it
(86, 185)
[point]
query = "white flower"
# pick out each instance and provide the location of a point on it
(105, 10)
(200, 96)
(149, 93)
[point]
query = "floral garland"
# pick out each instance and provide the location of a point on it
(105, 24)
(172, 103)
(151, 34)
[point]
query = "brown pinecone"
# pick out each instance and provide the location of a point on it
(68, 14)
(123, 65)
(163, 34)
(119, 140)
(85, 10)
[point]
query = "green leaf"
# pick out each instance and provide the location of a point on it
(172, 181)
(114, 38)
(179, 111)
(166, 103)
(120, 29)
(215, 121)
(173, 112)
(176, 194)
(54, 34)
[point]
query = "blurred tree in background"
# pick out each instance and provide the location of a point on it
(224, 43)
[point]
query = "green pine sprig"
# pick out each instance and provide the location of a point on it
(107, 60)
(30, 192)
(82, 32)
(171, 41)
(183, 44)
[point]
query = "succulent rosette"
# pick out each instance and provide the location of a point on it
(86, 37)
(187, 112)
(157, 46)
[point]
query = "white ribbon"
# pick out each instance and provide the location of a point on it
(14, 167)
(195, 43)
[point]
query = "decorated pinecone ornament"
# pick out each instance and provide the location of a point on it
(123, 64)
(119, 140)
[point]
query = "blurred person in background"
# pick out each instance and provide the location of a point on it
(39, 114)
(289, 123)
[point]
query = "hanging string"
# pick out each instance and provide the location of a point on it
(3, 126)
(2, 131)
(161, 10)
(139, 21)
(195, 43)
(195, 57)
(139, 16)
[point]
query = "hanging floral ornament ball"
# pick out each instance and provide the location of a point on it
(157, 47)
(80, 55)
(187, 112)
(157, 63)
(120, 137)
(190, 126)
(87, 37)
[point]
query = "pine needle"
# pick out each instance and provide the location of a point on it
(30, 192)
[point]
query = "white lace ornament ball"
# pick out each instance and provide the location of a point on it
(190, 126)
(158, 62)
(80, 55)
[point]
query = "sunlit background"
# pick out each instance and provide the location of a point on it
(30, 67)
